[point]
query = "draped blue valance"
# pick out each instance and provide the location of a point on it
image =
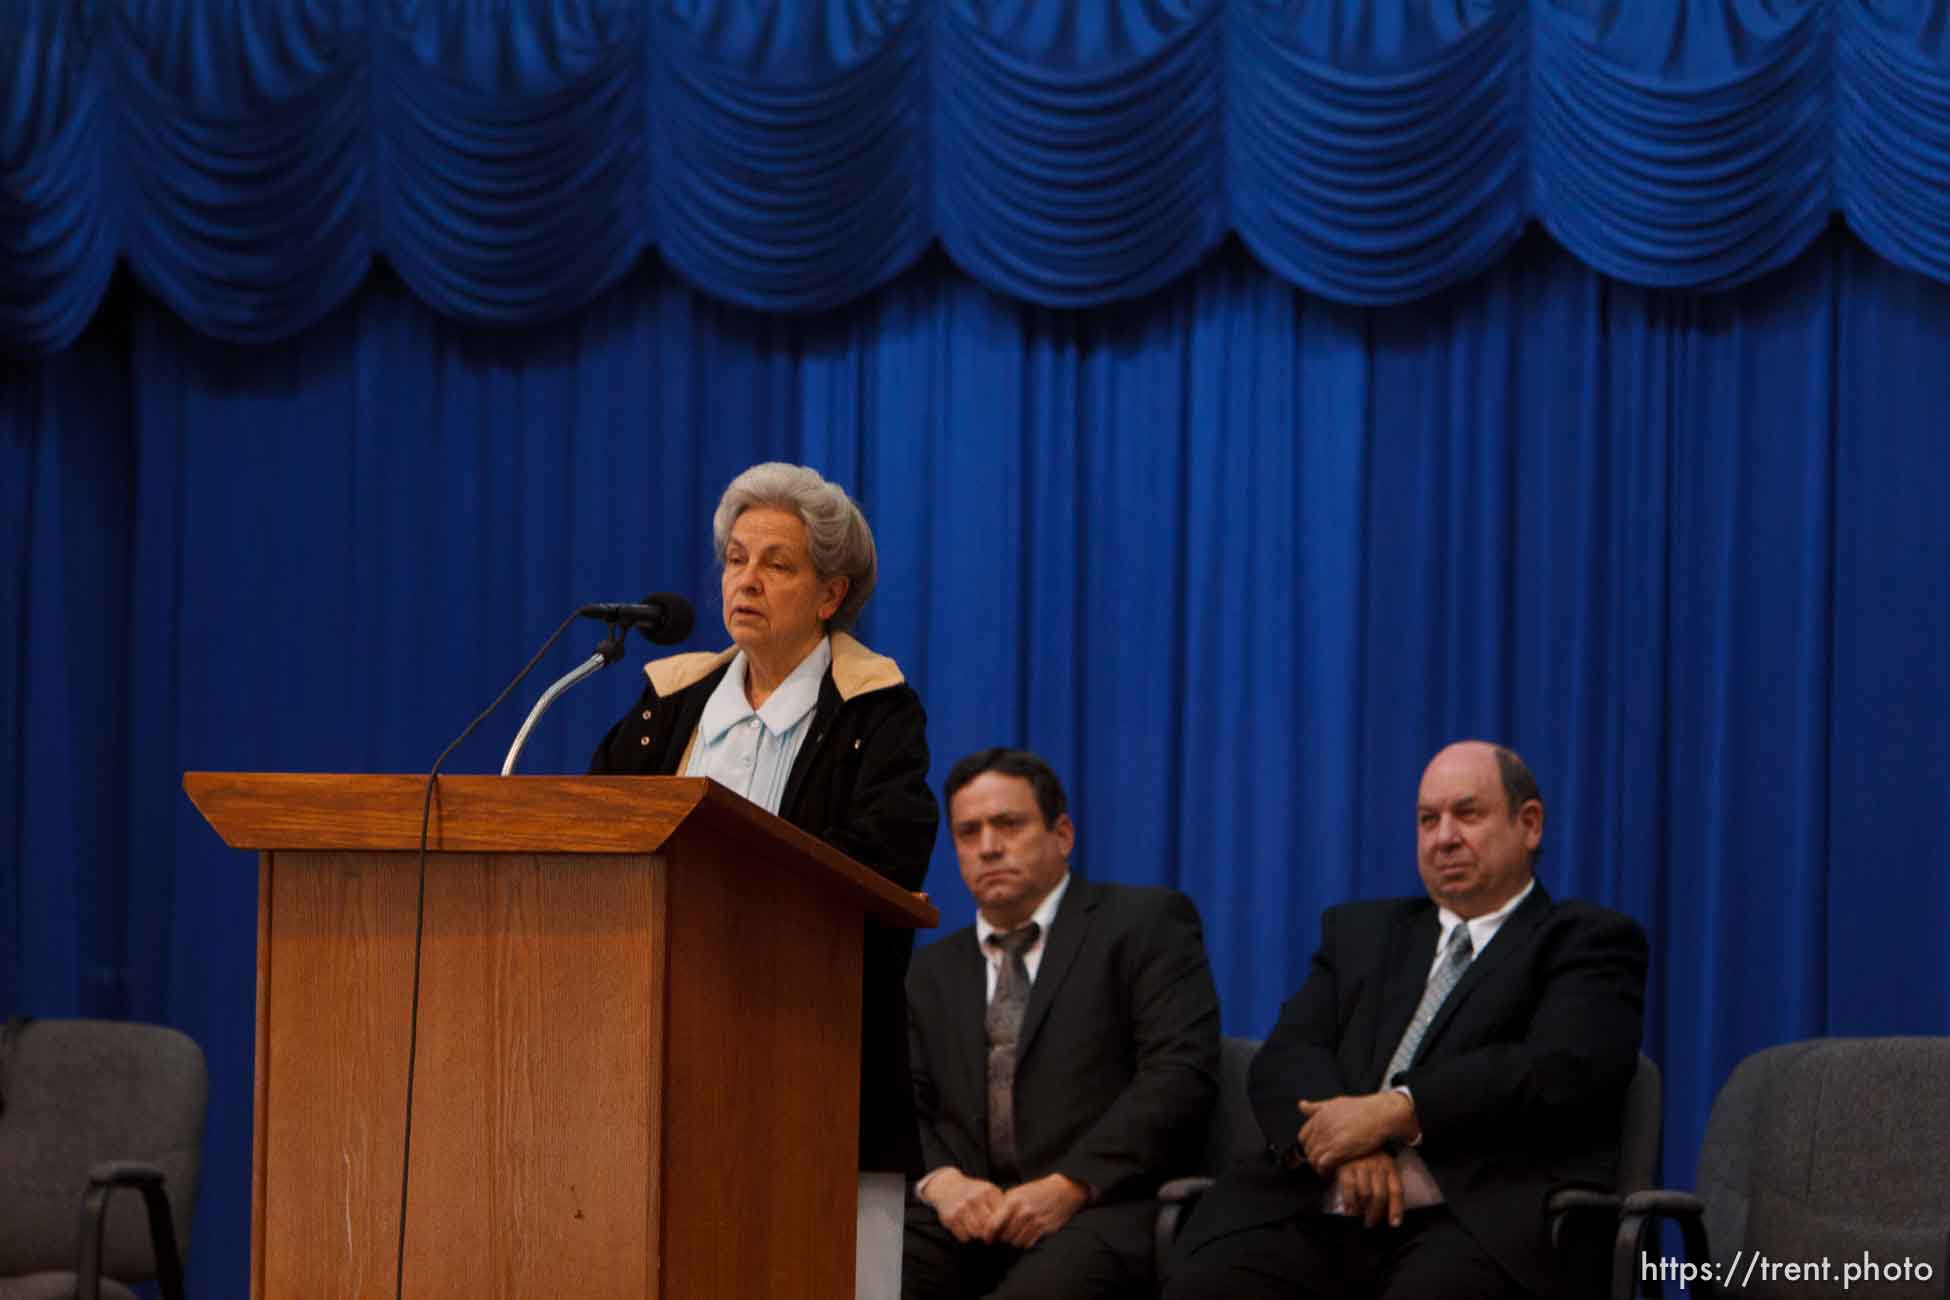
(513, 158)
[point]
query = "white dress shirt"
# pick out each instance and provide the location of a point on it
(1482, 929)
(1032, 957)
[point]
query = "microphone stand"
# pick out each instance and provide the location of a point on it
(606, 654)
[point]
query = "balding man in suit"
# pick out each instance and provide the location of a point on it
(1450, 1059)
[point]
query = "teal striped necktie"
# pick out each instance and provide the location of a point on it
(1455, 960)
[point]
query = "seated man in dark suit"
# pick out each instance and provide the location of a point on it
(1448, 1062)
(1065, 1054)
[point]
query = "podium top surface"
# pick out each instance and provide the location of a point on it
(523, 814)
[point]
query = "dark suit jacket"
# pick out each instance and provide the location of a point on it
(860, 783)
(1117, 1064)
(1518, 1084)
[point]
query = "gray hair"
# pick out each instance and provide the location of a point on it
(836, 531)
(1519, 786)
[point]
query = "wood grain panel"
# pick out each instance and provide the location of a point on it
(531, 814)
(531, 1153)
(260, 1073)
(590, 1015)
(339, 954)
(761, 1075)
(534, 1106)
(471, 814)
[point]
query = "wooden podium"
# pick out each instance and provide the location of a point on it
(639, 1037)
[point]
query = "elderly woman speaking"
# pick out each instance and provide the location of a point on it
(806, 722)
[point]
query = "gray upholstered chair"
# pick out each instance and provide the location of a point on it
(88, 1107)
(1583, 1221)
(1830, 1149)
(1233, 1138)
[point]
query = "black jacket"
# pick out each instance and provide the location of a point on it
(1118, 1061)
(860, 783)
(1518, 1085)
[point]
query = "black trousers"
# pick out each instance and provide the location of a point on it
(1104, 1251)
(1313, 1256)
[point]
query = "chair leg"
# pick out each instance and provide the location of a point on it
(162, 1240)
(94, 1222)
(1628, 1250)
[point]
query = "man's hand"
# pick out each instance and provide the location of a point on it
(1032, 1211)
(1341, 1129)
(967, 1207)
(1371, 1187)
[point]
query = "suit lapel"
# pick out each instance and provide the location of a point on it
(1067, 935)
(1513, 934)
(1411, 952)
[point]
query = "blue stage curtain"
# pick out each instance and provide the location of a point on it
(1238, 559)
(512, 160)
(67, 484)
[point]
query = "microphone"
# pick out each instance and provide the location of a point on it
(664, 617)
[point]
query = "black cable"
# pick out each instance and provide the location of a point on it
(419, 934)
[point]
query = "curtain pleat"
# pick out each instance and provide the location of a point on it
(512, 160)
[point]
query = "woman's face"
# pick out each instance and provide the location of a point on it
(773, 601)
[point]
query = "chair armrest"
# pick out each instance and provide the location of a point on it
(1665, 1202)
(1185, 1191)
(103, 1180)
(125, 1173)
(1640, 1214)
(1567, 1201)
(1175, 1200)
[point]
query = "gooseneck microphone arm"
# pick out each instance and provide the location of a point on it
(663, 617)
(606, 654)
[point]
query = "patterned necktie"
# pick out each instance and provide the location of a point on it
(1004, 1025)
(1455, 960)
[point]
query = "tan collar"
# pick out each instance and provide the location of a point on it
(856, 669)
